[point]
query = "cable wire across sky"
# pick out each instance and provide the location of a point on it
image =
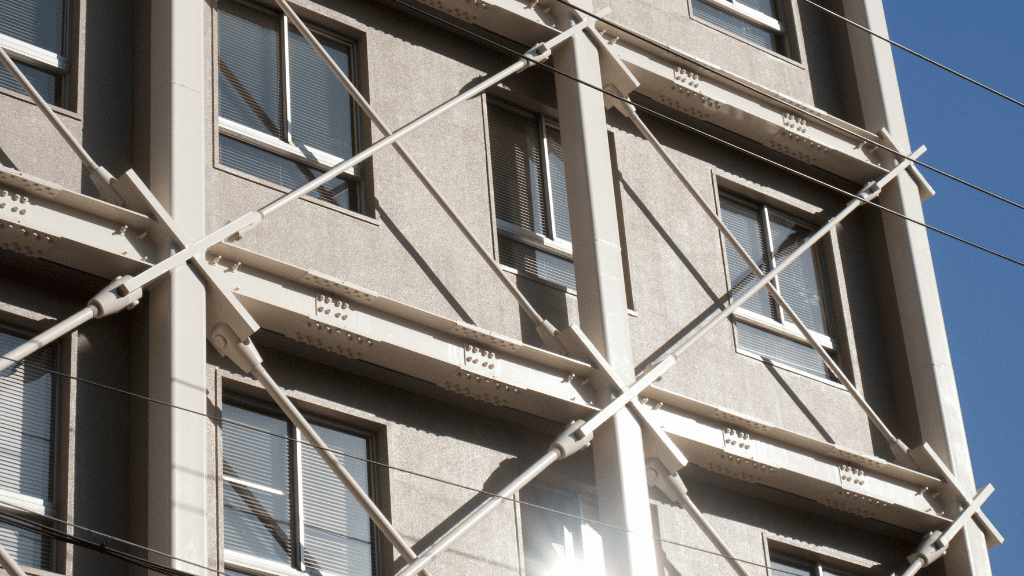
(716, 138)
(49, 531)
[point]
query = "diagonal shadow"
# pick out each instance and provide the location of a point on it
(800, 404)
(448, 296)
(248, 98)
(5, 160)
(495, 482)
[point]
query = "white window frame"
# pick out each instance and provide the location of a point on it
(552, 245)
(592, 542)
(249, 563)
(817, 566)
(38, 509)
(783, 327)
(52, 62)
(747, 13)
(285, 147)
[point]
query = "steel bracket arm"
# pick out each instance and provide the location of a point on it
(672, 486)
(98, 174)
(538, 53)
(244, 354)
(935, 544)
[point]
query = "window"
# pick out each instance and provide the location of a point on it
(284, 510)
(784, 565)
(530, 200)
(756, 21)
(28, 450)
(284, 117)
(34, 34)
(559, 537)
(769, 237)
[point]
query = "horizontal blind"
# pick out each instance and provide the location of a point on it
(286, 173)
(258, 510)
(559, 195)
(766, 7)
(37, 22)
(801, 283)
(321, 108)
(48, 85)
(249, 67)
(731, 23)
(515, 161)
(745, 224)
(28, 442)
(781, 349)
(537, 263)
(336, 529)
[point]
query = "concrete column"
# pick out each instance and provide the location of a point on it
(917, 293)
(177, 514)
(597, 257)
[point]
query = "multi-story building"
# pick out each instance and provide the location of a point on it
(768, 435)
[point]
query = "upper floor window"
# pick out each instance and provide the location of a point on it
(785, 565)
(284, 117)
(34, 34)
(530, 200)
(757, 21)
(284, 509)
(560, 535)
(28, 450)
(769, 237)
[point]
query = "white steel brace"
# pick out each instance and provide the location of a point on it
(231, 325)
(936, 543)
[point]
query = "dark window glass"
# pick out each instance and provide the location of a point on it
(736, 25)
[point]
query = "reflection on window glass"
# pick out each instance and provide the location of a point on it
(559, 535)
(40, 24)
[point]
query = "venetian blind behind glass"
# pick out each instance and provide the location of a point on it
(537, 263)
(516, 168)
(776, 347)
(745, 224)
(766, 7)
(800, 283)
(321, 114)
(28, 447)
(786, 566)
(257, 510)
(734, 24)
(337, 530)
(559, 196)
(48, 85)
(37, 22)
(249, 66)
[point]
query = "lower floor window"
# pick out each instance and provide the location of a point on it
(29, 416)
(283, 507)
(786, 565)
(560, 534)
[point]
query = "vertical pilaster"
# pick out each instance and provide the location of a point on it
(177, 313)
(597, 256)
(917, 293)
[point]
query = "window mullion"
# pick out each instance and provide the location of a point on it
(286, 84)
(299, 524)
(549, 213)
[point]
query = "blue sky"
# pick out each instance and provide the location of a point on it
(978, 137)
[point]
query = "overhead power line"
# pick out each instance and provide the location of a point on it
(49, 531)
(717, 139)
(917, 54)
(668, 49)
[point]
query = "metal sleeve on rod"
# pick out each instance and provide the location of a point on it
(900, 449)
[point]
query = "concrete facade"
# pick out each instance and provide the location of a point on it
(385, 321)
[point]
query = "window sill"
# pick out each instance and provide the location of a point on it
(532, 278)
(57, 109)
(788, 368)
(368, 219)
(787, 330)
(254, 564)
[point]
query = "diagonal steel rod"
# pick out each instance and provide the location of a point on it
(98, 174)
(672, 485)
(544, 328)
(647, 377)
(245, 355)
(899, 448)
(9, 565)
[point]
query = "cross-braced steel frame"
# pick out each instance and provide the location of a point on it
(231, 330)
